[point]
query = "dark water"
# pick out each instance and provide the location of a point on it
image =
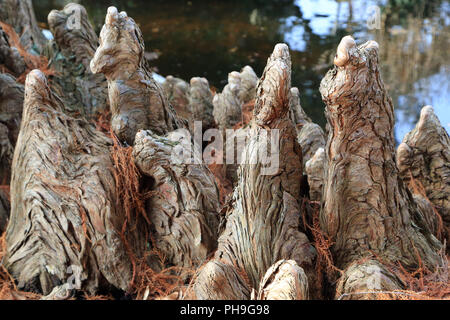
(212, 38)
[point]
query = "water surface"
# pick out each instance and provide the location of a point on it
(212, 38)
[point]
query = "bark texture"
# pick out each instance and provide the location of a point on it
(262, 222)
(200, 104)
(315, 172)
(64, 224)
(241, 89)
(191, 101)
(177, 91)
(249, 81)
(310, 135)
(227, 104)
(4, 211)
(284, 280)
(184, 207)
(20, 15)
(70, 53)
(11, 102)
(137, 101)
(228, 114)
(367, 210)
(423, 159)
(10, 56)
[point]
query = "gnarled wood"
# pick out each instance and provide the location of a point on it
(192, 102)
(11, 102)
(262, 222)
(64, 221)
(363, 279)
(367, 210)
(285, 280)
(249, 81)
(315, 172)
(310, 135)
(184, 208)
(241, 89)
(20, 15)
(219, 280)
(70, 53)
(137, 101)
(227, 104)
(4, 211)
(177, 91)
(423, 159)
(200, 104)
(10, 56)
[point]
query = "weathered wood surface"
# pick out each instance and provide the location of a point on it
(20, 15)
(183, 208)
(11, 102)
(310, 135)
(314, 169)
(136, 99)
(367, 210)
(176, 91)
(69, 54)
(191, 101)
(240, 89)
(228, 107)
(262, 222)
(4, 211)
(200, 104)
(423, 159)
(64, 220)
(284, 280)
(227, 104)
(10, 56)
(249, 81)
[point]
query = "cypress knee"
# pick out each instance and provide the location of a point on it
(262, 222)
(183, 208)
(423, 159)
(136, 99)
(64, 220)
(70, 53)
(367, 210)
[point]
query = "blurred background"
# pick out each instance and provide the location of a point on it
(211, 38)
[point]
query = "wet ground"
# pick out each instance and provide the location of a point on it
(212, 38)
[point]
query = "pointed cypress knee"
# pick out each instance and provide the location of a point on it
(367, 210)
(262, 222)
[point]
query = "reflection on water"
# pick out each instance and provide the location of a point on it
(212, 38)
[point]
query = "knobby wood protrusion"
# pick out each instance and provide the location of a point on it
(262, 222)
(10, 56)
(228, 114)
(20, 15)
(315, 173)
(310, 135)
(249, 81)
(367, 210)
(191, 101)
(183, 209)
(176, 91)
(64, 225)
(11, 104)
(136, 99)
(284, 280)
(227, 104)
(200, 104)
(240, 89)
(70, 53)
(423, 159)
